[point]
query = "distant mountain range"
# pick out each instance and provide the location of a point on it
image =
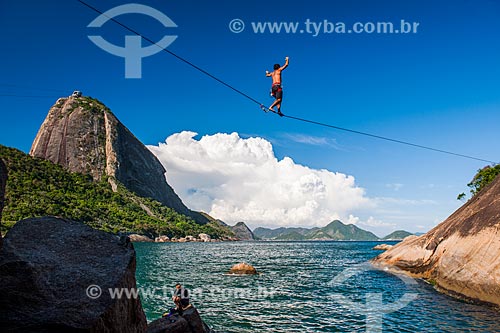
(335, 230)
(397, 235)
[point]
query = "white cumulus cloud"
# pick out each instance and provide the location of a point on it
(237, 179)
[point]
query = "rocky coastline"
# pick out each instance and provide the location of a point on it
(460, 256)
(202, 238)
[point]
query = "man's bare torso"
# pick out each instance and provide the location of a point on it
(276, 76)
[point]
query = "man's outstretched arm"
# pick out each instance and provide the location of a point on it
(285, 65)
(268, 74)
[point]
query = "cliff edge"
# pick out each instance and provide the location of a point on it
(461, 256)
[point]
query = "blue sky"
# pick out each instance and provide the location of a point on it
(438, 87)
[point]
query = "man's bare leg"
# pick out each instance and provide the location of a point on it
(279, 108)
(276, 102)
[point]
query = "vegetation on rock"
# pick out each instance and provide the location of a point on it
(482, 178)
(38, 187)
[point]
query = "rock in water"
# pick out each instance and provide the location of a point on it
(384, 247)
(243, 268)
(46, 267)
(462, 254)
(82, 135)
(3, 181)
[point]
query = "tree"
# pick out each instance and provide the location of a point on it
(482, 178)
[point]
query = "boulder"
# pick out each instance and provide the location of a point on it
(194, 320)
(190, 239)
(3, 181)
(162, 239)
(243, 268)
(52, 272)
(139, 238)
(461, 255)
(383, 247)
(204, 237)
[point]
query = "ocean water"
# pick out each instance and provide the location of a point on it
(303, 287)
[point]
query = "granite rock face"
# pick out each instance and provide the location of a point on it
(82, 135)
(462, 254)
(3, 181)
(46, 267)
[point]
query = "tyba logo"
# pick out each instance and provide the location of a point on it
(133, 52)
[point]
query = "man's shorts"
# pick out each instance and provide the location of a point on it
(277, 92)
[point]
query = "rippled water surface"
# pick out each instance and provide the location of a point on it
(295, 292)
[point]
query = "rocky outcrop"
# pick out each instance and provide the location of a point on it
(46, 268)
(189, 322)
(383, 247)
(242, 232)
(204, 238)
(243, 269)
(139, 238)
(3, 181)
(82, 134)
(461, 256)
(162, 239)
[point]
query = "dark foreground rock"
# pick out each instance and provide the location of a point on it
(189, 322)
(46, 267)
(3, 181)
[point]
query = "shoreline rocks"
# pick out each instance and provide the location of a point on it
(139, 238)
(202, 238)
(460, 256)
(162, 239)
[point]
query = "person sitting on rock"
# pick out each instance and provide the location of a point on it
(180, 296)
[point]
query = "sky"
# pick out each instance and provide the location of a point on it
(438, 87)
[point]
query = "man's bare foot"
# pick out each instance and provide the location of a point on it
(280, 113)
(271, 108)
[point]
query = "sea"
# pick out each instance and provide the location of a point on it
(311, 286)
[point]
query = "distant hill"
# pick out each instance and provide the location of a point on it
(397, 235)
(242, 232)
(335, 230)
(279, 233)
